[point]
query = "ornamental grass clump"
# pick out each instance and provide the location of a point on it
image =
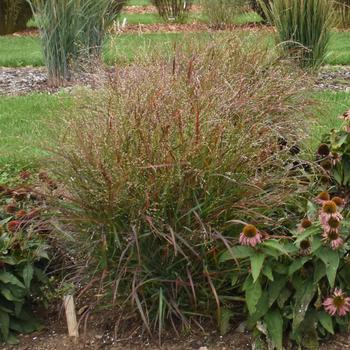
(162, 166)
(14, 15)
(303, 28)
(173, 10)
(342, 11)
(222, 12)
(72, 33)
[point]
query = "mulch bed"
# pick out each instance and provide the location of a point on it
(169, 28)
(152, 9)
(25, 80)
(21, 81)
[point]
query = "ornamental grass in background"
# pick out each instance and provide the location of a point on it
(303, 28)
(222, 12)
(342, 11)
(162, 169)
(173, 10)
(14, 15)
(72, 33)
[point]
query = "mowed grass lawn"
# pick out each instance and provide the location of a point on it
(24, 124)
(18, 51)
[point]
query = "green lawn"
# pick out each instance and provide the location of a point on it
(18, 51)
(139, 2)
(23, 120)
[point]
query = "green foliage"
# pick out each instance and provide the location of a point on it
(333, 156)
(23, 252)
(72, 33)
(14, 15)
(160, 165)
(222, 12)
(172, 10)
(260, 9)
(283, 302)
(303, 28)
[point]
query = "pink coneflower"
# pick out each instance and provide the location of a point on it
(332, 224)
(305, 247)
(304, 224)
(338, 303)
(333, 238)
(329, 210)
(322, 197)
(340, 202)
(250, 236)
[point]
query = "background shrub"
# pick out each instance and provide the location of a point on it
(161, 165)
(303, 28)
(172, 10)
(72, 33)
(222, 12)
(14, 15)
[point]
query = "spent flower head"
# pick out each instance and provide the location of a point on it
(303, 225)
(323, 150)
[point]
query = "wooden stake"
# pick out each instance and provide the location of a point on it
(71, 316)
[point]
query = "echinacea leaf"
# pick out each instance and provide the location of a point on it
(4, 324)
(7, 277)
(253, 293)
(274, 324)
(237, 252)
(326, 321)
(330, 258)
(256, 262)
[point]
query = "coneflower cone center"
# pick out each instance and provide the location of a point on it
(250, 231)
(339, 301)
(306, 223)
(333, 223)
(333, 235)
(329, 207)
(305, 245)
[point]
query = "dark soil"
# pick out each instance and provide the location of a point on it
(54, 337)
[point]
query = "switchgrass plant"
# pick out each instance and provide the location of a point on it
(222, 12)
(161, 165)
(72, 32)
(342, 8)
(303, 28)
(173, 10)
(260, 9)
(14, 15)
